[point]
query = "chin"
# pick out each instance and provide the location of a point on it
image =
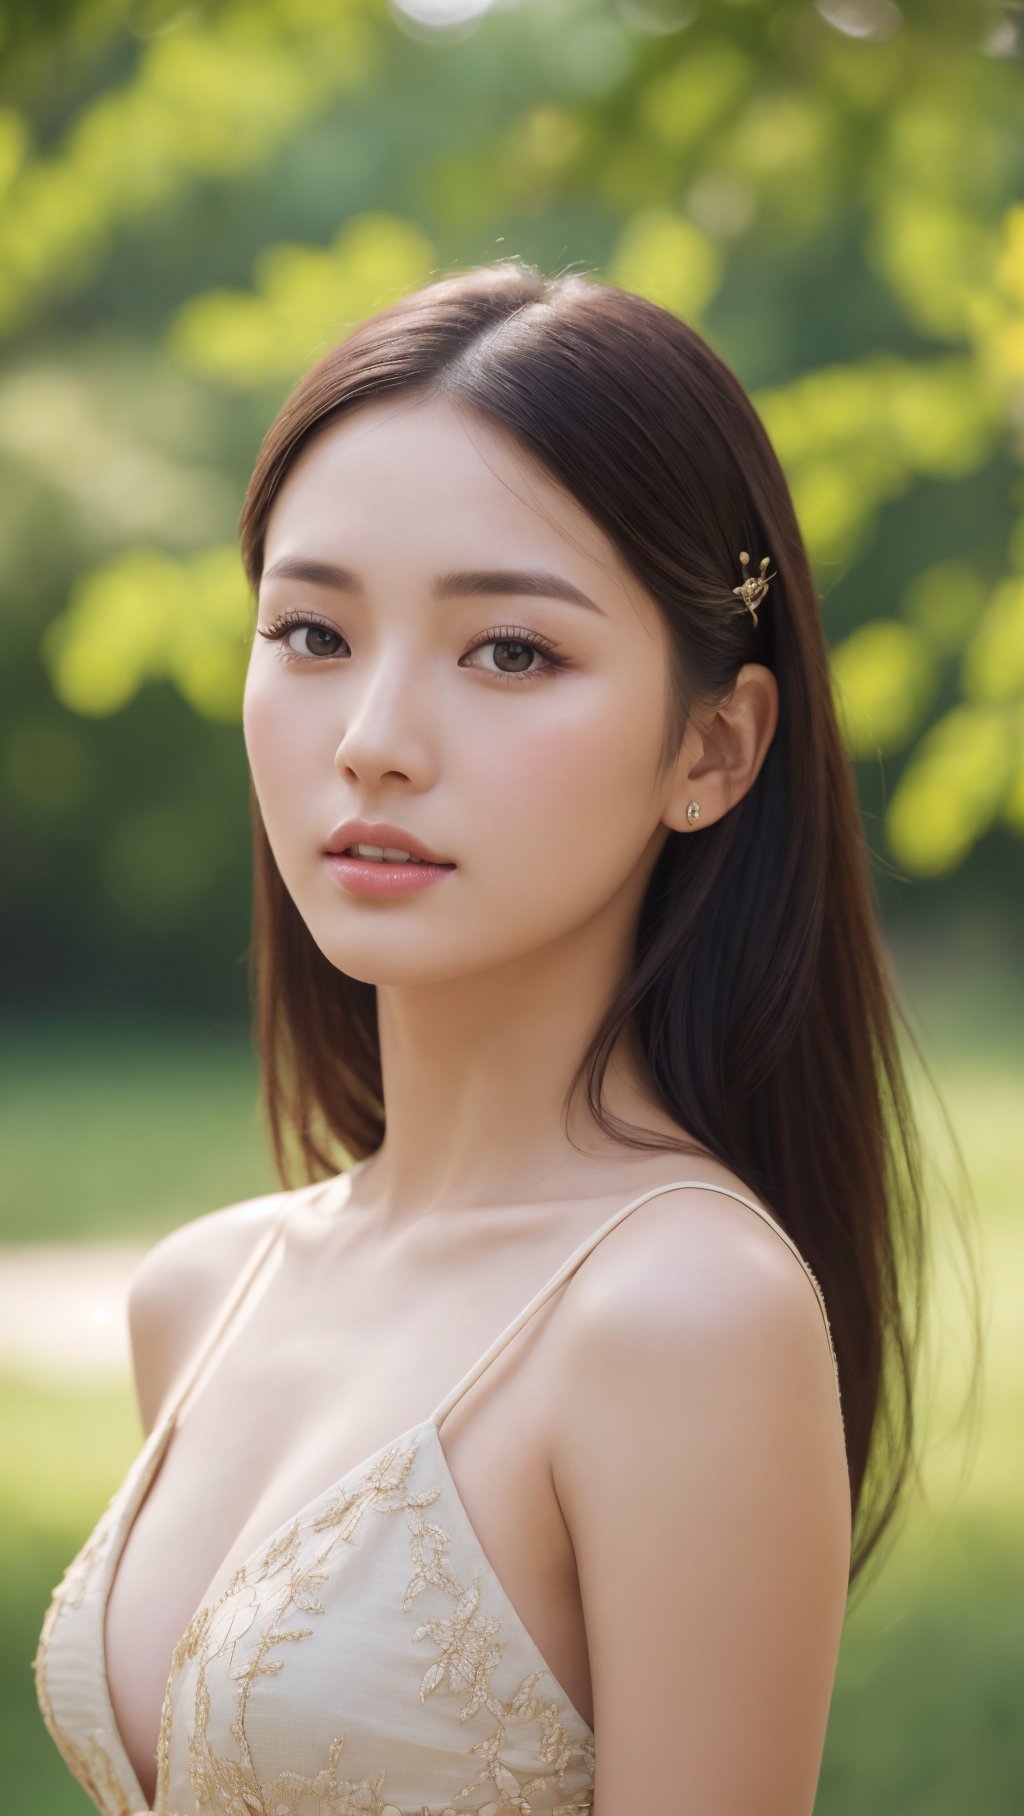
(358, 960)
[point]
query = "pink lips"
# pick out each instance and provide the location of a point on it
(374, 877)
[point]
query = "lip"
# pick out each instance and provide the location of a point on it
(363, 877)
(381, 832)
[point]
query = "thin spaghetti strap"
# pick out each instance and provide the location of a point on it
(234, 1299)
(766, 1217)
(579, 1255)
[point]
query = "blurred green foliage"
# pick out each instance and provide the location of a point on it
(197, 200)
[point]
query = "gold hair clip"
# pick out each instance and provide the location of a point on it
(754, 585)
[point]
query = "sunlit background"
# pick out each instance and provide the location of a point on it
(196, 200)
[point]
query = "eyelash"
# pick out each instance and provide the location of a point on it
(505, 633)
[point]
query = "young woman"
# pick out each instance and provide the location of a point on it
(565, 935)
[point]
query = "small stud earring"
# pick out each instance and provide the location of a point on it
(693, 813)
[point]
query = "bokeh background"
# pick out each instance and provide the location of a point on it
(196, 200)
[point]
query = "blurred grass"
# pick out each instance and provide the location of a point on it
(926, 1714)
(69, 1448)
(124, 1131)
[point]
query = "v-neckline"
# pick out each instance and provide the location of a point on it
(163, 1433)
(149, 1466)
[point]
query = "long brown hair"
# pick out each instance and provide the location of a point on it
(760, 995)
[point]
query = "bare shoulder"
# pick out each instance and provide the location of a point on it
(178, 1284)
(699, 1462)
(697, 1268)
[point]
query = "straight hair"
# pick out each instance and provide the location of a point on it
(759, 995)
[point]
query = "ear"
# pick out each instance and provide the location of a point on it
(721, 755)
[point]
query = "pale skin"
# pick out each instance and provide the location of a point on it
(655, 1465)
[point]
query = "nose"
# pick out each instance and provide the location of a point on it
(381, 736)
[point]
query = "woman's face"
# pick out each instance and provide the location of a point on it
(532, 770)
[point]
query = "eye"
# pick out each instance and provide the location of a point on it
(319, 635)
(280, 632)
(523, 644)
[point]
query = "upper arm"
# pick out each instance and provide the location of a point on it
(700, 1466)
(175, 1290)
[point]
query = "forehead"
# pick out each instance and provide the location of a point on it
(437, 481)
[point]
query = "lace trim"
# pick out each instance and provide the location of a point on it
(469, 1649)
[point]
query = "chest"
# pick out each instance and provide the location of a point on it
(308, 1386)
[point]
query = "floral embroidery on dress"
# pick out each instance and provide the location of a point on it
(470, 1648)
(88, 1758)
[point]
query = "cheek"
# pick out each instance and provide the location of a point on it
(274, 724)
(569, 808)
(279, 745)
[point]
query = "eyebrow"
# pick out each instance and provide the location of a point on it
(475, 583)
